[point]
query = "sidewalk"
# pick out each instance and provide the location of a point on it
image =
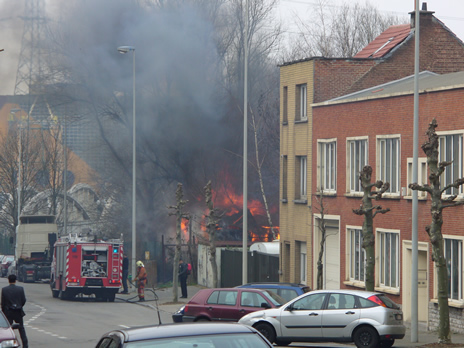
(425, 338)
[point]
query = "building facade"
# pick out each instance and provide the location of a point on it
(375, 127)
(314, 80)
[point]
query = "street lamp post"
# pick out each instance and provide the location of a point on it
(124, 50)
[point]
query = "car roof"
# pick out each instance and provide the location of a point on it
(180, 329)
(293, 285)
(361, 293)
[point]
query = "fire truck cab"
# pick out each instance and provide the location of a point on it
(83, 265)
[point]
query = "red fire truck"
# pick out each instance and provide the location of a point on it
(83, 265)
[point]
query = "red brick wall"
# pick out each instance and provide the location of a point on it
(387, 116)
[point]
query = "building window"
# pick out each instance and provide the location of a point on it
(285, 105)
(357, 255)
(357, 158)
(450, 149)
(327, 166)
(389, 259)
(301, 100)
(389, 162)
(301, 177)
(421, 176)
(284, 177)
(303, 262)
(453, 256)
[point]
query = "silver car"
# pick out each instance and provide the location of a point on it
(368, 319)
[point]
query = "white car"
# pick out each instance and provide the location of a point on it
(368, 319)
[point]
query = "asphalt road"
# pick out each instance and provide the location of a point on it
(51, 322)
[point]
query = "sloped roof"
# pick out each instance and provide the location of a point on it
(385, 42)
(428, 81)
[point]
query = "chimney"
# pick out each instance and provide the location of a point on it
(422, 12)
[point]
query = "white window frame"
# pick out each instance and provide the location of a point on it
(448, 176)
(451, 266)
(356, 255)
(389, 157)
(303, 262)
(303, 102)
(302, 185)
(327, 165)
(388, 251)
(421, 177)
(355, 144)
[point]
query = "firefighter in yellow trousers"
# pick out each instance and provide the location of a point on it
(141, 280)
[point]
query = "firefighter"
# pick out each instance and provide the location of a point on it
(141, 280)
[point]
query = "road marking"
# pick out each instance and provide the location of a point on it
(124, 326)
(42, 311)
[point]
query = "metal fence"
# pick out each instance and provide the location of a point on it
(261, 268)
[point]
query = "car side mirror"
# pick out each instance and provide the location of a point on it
(15, 326)
(265, 305)
(289, 307)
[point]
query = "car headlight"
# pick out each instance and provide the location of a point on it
(9, 343)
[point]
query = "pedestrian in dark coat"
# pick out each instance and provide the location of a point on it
(13, 301)
(183, 268)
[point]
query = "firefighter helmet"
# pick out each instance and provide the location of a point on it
(139, 264)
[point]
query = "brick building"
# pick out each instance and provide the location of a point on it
(375, 127)
(318, 79)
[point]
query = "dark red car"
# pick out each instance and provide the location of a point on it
(227, 304)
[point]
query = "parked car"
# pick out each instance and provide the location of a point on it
(6, 261)
(214, 335)
(368, 319)
(11, 268)
(7, 335)
(288, 291)
(226, 304)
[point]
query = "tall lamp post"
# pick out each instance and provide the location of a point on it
(124, 50)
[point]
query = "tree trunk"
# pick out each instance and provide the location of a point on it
(367, 231)
(211, 223)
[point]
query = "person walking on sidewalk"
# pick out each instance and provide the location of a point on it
(13, 301)
(141, 280)
(183, 274)
(125, 273)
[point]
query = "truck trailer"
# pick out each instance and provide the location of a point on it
(87, 266)
(35, 236)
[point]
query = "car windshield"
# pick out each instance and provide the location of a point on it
(247, 340)
(275, 299)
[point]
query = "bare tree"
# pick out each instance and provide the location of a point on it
(436, 190)
(179, 214)
(370, 211)
(322, 227)
(18, 173)
(338, 31)
(212, 219)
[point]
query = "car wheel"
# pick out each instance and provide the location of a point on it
(366, 337)
(202, 319)
(387, 343)
(267, 331)
(282, 343)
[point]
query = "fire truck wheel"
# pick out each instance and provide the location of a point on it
(109, 297)
(63, 295)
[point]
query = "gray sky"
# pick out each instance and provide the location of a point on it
(450, 12)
